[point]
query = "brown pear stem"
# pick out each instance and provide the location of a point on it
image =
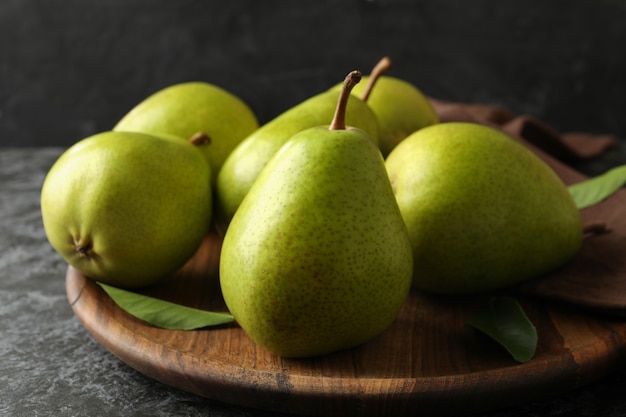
(339, 119)
(595, 228)
(379, 69)
(200, 138)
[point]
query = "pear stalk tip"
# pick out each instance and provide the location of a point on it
(379, 69)
(339, 119)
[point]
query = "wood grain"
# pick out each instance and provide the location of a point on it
(427, 362)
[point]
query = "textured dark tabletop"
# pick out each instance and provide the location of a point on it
(50, 365)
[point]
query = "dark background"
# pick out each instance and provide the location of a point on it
(72, 68)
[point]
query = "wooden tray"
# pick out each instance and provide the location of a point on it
(428, 362)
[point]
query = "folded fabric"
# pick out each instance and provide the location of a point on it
(569, 147)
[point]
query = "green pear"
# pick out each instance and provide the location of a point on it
(244, 164)
(483, 211)
(400, 106)
(190, 109)
(126, 208)
(317, 259)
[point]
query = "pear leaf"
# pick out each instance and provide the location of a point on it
(164, 314)
(594, 190)
(504, 320)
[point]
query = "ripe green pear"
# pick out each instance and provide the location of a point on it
(244, 164)
(317, 258)
(185, 109)
(482, 210)
(127, 208)
(401, 108)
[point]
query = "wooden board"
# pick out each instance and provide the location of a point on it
(429, 362)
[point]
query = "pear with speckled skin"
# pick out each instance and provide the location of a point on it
(194, 108)
(127, 209)
(317, 258)
(482, 210)
(244, 164)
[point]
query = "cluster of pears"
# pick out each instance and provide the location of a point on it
(387, 108)
(130, 206)
(330, 212)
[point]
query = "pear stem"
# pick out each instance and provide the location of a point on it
(595, 228)
(199, 138)
(379, 69)
(339, 119)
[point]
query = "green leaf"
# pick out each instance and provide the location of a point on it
(594, 190)
(504, 320)
(162, 313)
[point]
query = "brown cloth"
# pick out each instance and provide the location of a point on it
(568, 147)
(596, 277)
